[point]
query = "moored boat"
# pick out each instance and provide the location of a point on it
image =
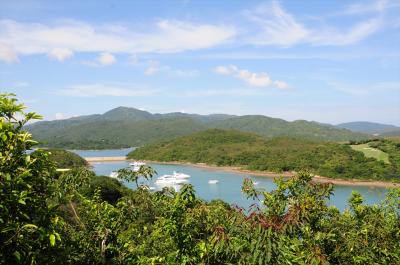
(170, 179)
(136, 165)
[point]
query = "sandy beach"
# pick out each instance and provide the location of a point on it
(105, 159)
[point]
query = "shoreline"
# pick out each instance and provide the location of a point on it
(316, 178)
(233, 169)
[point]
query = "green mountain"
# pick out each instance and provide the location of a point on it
(124, 127)
(272, 127)
(253, 152)
(371, 128)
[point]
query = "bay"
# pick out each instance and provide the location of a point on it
(229, 184)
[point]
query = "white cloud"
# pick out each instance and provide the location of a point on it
(355, 34)
(375, 6)
(60, 54)
(281, 84)
(278, 27)
(7, 54)
(230, 92)
(96, 90)
(154, 67)
(59, 116)
(251, 78)
(166, 36)
(224, 70)
(255, 79)
(106, 58)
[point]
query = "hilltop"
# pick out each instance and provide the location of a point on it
(125, 127)
(253, 152)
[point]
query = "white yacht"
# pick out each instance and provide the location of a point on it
(136, 165)
(179, 175)
(213, 181)
(170, 179)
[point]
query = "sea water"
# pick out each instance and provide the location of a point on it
(229, 184)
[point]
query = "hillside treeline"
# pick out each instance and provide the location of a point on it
(234, 148)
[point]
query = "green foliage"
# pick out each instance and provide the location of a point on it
(49, 217)
(126, 127)
(129, 175)
(109, 189)
(64, 159)
(26, 221)
(234, 148)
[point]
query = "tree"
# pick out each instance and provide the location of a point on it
(129, 175)
(26, 222)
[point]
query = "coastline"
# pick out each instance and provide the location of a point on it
(316, 178)
(233, 169)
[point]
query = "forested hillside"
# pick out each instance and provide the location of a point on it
(126, 127)
(234, 148)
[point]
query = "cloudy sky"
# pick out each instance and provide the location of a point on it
(328, 61)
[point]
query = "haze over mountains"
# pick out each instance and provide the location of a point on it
(371, 128)
(123, 126)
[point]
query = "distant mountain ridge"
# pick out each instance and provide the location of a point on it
(371, 128)
(123, 127)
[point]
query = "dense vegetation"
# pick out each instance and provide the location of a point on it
(64, 159)
(126, 127)
(56, 218)
(234, 148)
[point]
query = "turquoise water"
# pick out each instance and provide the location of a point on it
(229, 185)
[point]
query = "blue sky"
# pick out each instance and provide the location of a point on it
(328, 61)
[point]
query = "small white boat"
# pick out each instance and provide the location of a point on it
(114, 174)
(213, 181)
(179, 175)
(170, 179)
(136, 165)
(255, 183)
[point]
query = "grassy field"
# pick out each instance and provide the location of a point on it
(395, 139)
(371, 152)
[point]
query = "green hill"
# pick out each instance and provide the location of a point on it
(272, 127)
(371, 128)
(125, 127)
(65, 159)
(250, 151)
